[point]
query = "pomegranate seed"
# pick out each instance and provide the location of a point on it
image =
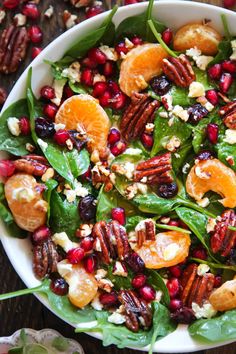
(113, 136)
(226, 81)
(75, 255)
(89, 63)
(212, 131)
(147, 292)
(217, 281)
(61, 136)
(68, 92)
(93, 11)
(183, 225)
(135, 262)
(87, 175)
(108, 69)
(119, 101)
(199, 253)
(7, 168)
(99, 88)
(87, 244)
(113, 87)
(215, 71)
(87, 77)
(130, 2)
(59, 286)
(36, 51)
(173, 287)
(118, 214)
(96, 55)
(139, 281)
(167, 36)
(229, 66)
(24, 125)
(118, 148)
(137, 40)
(173, 223)
(175, 304)
(175, 271)
(105, 99)
(11, 4)
(108, 299)
(90, 263)
(31, 11)
(35, 34)
(47, 92)
(41, 235)
(147, 140)
(50, 110)
(229, 4)
(121, 48)
(212, 97)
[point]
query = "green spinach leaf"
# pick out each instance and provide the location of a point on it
(158, 283)
(78, 88)
(51, 184)
(132, 222)
(179, 158)
(58, 66)
(224, 52)
(224, 150)
(79, 161)
(119, 281)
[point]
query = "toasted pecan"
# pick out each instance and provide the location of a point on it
(45, 258)
(145, 230)
(32, 164)
(179, 70)
(228, 113)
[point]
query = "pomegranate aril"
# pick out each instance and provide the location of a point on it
(147, 140)
(118, 214)
(215, 71)
(212, 97)
(226, 81)
(130, 2)
(118, 148)
(68, 92)
(47, 92)
(199, 253)
(212, 132)
(113, 87)
(217, 281)
(61, 136)
(87, 175)
(167, 36)
(24, 125)
(135, 262)
(175, 304)
(113, 136)
(108, 299)
(59, 286)
(87, 243)
(90, 263)
(119, 101)
(229, 4)
(121, 48)
(108, 69)
(99, 88)
(93, 11)
(173, 287)
(75, 255)
(35, 34)
(7, 168)
(87, 77)
(96, 55)
(105, 99)
(31, 11)
(50, 110)
(136, 40)
(36, 51)
(175, 271)
(41, 235)
(229, 66)
(139, 281)
(89, 63)
(10, 4)
(174, 223)
(147, 292)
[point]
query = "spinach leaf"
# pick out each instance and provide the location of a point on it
(132, 222)
(157, 282)
(78, 161)
(202, 77)
(229, 268)
(11, 226)
(216, 329)
(2, 193)
(163, 132)
(64, 215)
(224, 150)
(118, 281)
(15, 145)
(179, 158)
(224, 52)
(199, 135)
(58, 66)
(105, 33)
(180, 96)
(51, 184)
(78, 88)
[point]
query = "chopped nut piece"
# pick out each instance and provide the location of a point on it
(48, 174)
(179, 70)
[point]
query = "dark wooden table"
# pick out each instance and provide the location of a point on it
(28, 311)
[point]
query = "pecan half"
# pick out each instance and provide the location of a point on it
(179, 70)
(111, 241)
(32, 164)
(228, 113)
(195, 288)
(145, 230)
(102, 175)
(136, 311)
(45, 259)
(155, 170)
(139, 112)
(223, 240)
(81, 3)
(13, 45)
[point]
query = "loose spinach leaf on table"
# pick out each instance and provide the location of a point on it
(158, 283)
(104, 34)
(218, 329)
(15, 145)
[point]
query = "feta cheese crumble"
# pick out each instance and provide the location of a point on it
(230, 136)
(13, 125)
(196, 89)
(206, 311)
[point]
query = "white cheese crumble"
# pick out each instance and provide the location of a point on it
(142, 188)
(132, 151)
(180, 112)
(185, 168)
(129, 169)
(98, 78)
(196, 89)
(206, 311)
(168, 99)
(202, 269)
(128, 43)
(193, 52)
(13, 125)
(49, 12)
(64, 268)
(163, 115)
(170, 251)
(203, 202)
(61, 239)
(73, 72)
(42, 144)
(20, 19)
(119, 270)
(211, 223)
(110, 53)
(230, 136)
(96, 303)
(58, 86)
(173, 143)
(233, 46)
(100, 274)
(202, 61)
(158, 296)
(59, 126)
(116, 318)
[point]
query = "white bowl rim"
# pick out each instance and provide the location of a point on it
(162, 345)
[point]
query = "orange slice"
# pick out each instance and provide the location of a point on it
(169, 249)
(224, 298)
(140, 66)
(212, 175)
(84, 112)
(25, 201)
(82, 286)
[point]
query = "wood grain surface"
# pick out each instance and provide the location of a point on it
(28, 311)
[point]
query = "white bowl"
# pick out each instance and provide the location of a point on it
(172, 13)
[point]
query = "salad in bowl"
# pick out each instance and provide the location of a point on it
(121, 175)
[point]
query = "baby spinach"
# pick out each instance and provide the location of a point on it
(64, 216)
(202, 77)
(119, 281)
(224, 150)
(180, 96)
(231, 268)
(132, 222)
(180, 157)
(79, 161)
(15, 145)
(58, 66)
(6, 216)
(217, 329)
(78, 88)
(224, 52)
(158, 283)
(158, 36)
(51, 184)
(104, 34)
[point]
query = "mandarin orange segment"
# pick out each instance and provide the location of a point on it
(212, 175)
(169, 249)
(25, 201)
(140, 66)
(224, 298)
(82, 286)
(84, 111)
